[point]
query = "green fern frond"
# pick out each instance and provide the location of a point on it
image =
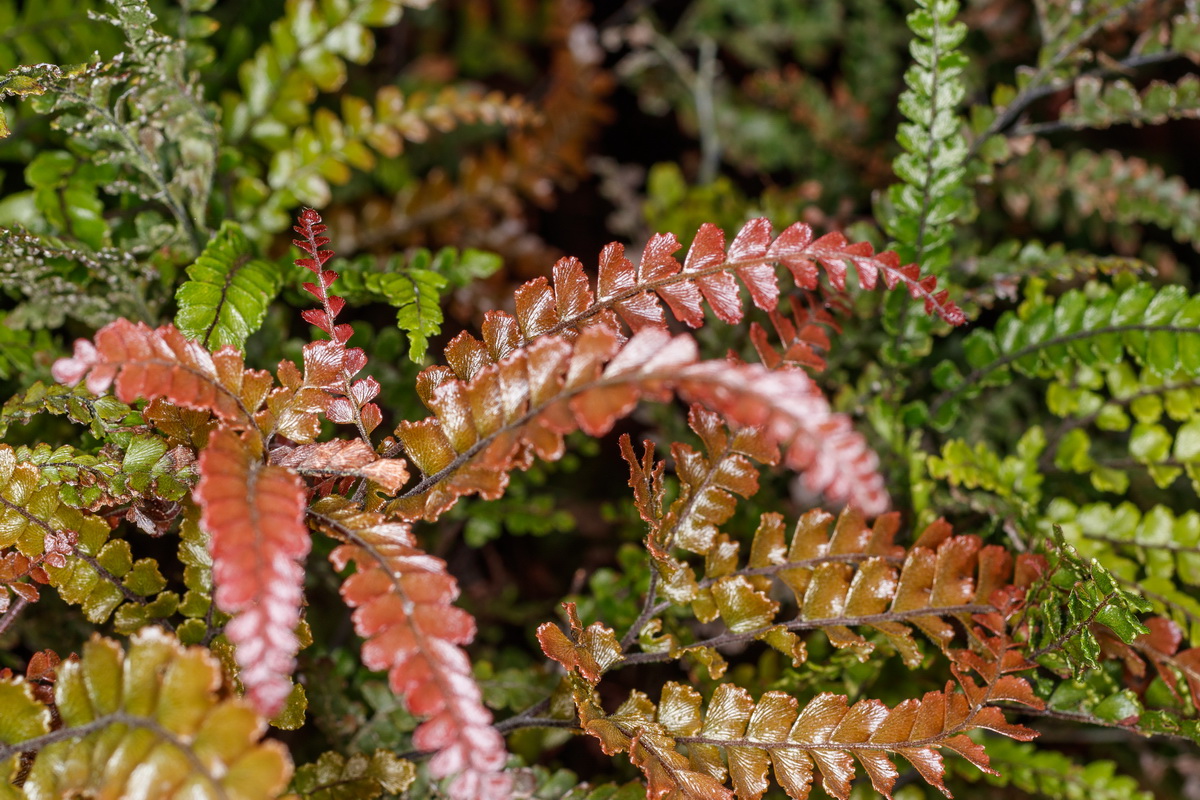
(1097, 326)
(414, 287)
(1154, 552)
(932, 196)
(229, 290)
(1071, 596)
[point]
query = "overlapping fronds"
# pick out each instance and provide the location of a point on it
(510, 411)
(343, 458)
(162, 365)
(148, 722)
(228, 291)
(403, 600)
(741, 740)
(254, 514)
(144, 363)
(854, 576)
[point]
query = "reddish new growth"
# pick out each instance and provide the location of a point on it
(354, 403)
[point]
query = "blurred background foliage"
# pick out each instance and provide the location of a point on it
(1039, 157)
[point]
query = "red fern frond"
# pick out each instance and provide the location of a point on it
(567, 303)
(254, 513)
(403, 609)
(149, 363)
(352, 399)
(521, 407)
(162, 365)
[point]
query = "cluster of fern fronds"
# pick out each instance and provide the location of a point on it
(831, 478)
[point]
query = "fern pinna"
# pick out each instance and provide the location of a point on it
(577, 357)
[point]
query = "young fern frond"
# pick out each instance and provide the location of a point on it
(567, 304)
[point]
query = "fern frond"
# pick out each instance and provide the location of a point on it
(73, 549)
(803, 336)
(1101, 104)
(147, 363)
(414, 285)
(1069, 598)
(403, 609)
(161, 365)
(520, 407)
(351, 402)
(254, 514)
(933, 166)
(150, 720)
(853, 577)
(775, 733)
(58, 279)
(228, 291)
(1096, 326)
(635, 295)
(100, 415)
(1155, 552)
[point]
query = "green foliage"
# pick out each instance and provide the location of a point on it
(1098, 104)
(229, 290)
(115, 708)
(924, 207)
(1073, 595)
(1050, 774)
(1108, 186)
(1155, 550)
(415, 287)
